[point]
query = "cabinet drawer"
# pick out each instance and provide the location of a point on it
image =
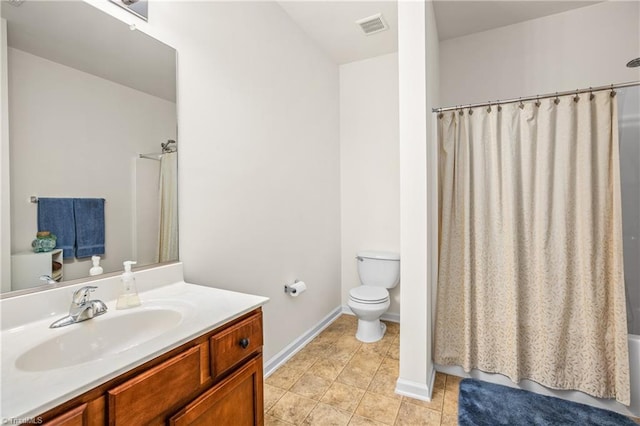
(156, 392)
(235, 344)
(73, 417)
(235, 401)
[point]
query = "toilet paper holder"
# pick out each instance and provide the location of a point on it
(288, 289)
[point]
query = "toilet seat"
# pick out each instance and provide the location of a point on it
(369, 295)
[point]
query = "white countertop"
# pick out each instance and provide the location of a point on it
(27, 394)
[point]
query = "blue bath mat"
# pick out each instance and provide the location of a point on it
(486, 404)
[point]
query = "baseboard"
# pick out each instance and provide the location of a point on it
(290, 350)
(387, 316)
(416, 390)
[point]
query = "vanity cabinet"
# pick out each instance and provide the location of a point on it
(215, 379)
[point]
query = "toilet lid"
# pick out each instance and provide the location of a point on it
(369, 294)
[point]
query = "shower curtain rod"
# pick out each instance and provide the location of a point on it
(533, 98)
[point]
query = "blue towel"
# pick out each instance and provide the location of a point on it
(57, 216)
(89, 215)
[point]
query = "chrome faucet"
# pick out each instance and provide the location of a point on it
(48, 279)
(81, 308)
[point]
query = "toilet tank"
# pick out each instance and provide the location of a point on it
(379, 268)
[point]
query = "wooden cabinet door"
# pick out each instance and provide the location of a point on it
(91, 413)
(235, 401)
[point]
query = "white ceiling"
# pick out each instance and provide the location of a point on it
(80, 36)
(332, 23)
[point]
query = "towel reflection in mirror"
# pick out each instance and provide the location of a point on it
(78, 224)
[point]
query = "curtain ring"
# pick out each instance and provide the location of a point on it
(489, 107)
(591, 95)
(557, 99)
(521, 105)
(576, 98)
(499, 106)
(440, 115)
(537, 101)
(613, 92)
(461, 111)
(470, 111)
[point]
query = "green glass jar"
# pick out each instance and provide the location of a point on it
(45, 241)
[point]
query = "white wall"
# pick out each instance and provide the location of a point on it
(418, 61)
(259, 182)
(369, 165)
(576, 49)
(77, 135)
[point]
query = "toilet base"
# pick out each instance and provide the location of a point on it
(370, 331)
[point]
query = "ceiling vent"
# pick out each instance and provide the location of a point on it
(372, 24)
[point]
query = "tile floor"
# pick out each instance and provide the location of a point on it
(337, 380)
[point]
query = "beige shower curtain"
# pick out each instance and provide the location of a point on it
(530, 273)
(168, 207)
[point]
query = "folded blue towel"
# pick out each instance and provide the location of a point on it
(89, 218)
(57, 215)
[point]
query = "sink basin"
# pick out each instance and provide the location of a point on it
(99, 338)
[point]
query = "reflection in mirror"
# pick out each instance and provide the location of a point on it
(89, 104)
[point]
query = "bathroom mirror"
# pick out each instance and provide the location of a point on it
(90, 101)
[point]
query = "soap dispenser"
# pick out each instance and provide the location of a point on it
(129, 297)
(96, 269)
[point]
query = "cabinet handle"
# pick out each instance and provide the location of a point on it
(244, 342)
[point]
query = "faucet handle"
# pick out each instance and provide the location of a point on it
(81, 295)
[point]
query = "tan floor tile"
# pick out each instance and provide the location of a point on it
(269, 420)
(437, 398)
(319, 349)
(326, 415)
(328, 336)
(381, 347)
(348, 341)
(367, 361)
(450, 403)
(453, 382)
(348, 319)
(384, 384)
(378, 407)
(390, 366)
(363, 421)
(392, 327)
(343, 355)
(449, 420)
(311, 386)
(439, 381)
(327, 368)
(343, 396)
(635, 419)
(271, 395)
(284, 377)
(394, 349)
(292, 408)
(341, 327)
(357, 375)
(412, 415)
(335, 332)
(303, 360)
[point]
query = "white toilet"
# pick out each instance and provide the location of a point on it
(378, 272)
